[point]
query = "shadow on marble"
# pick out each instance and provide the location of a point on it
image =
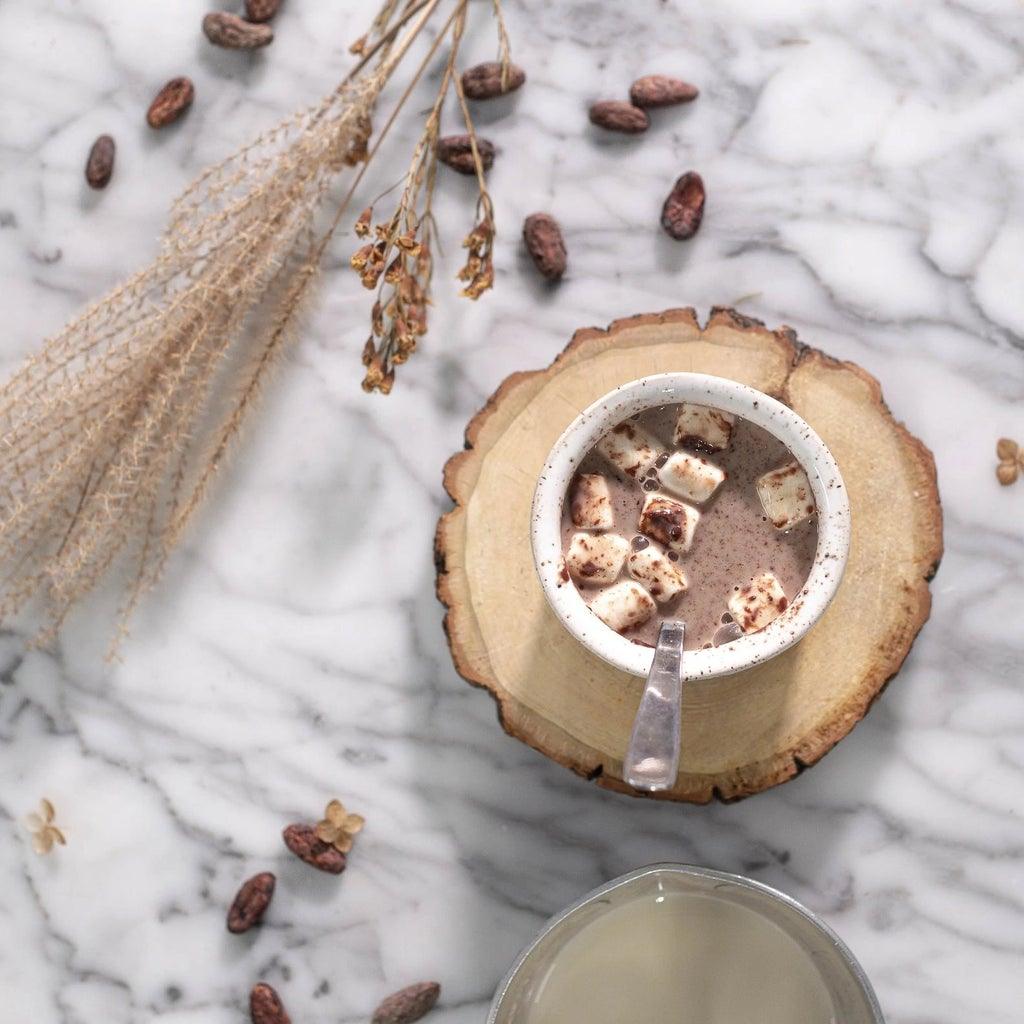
(493, 112)
(248, 67)
(672, 255)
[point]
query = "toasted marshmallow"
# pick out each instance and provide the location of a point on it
(758, 603)
(663, 579)
(631, 450)
(590, 503)
(786, 495)
(690, 476)
(623, 606)
(596, 558)
(702, 428)
(669, 522)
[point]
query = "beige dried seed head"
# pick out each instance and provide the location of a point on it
(339, 828)
(1007, 473)
(112, 434)
(45, 834)
(1006, 449)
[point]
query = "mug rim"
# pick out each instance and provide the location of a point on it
(741, 400)
(691, 870)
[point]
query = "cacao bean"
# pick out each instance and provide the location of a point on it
(251, 903)
(483, 81)
(544, 243)
(684, 208)
(265, 1006)
(170, 102)
(457, 153)
(100, 165)
(619, 116)
(661, 91)
(235, 33)
(303, 841)
(261, 10)
(408, 1005)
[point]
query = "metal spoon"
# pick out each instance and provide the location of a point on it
(652, 760)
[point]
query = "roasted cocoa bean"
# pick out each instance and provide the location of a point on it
(100, 165)
(265, 1006)
(251, 903)
(684, 208)
(483, 81)
(661, 91)
(544, 243)
(235, 33)
(261, 10)
(619, 116)
(408, 1005)
(170, 102)
(457, 153)
(303, 841)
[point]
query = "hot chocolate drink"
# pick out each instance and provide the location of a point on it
(684, 512)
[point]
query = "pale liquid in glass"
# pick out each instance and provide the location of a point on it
(677, 958)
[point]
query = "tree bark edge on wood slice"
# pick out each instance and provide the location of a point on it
(743, 733)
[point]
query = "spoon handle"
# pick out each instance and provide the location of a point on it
(652, 760)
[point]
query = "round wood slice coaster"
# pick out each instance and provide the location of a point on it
(744, 733)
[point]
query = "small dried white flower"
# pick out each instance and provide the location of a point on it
(45, 834)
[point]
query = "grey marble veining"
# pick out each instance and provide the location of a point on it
(864, 170)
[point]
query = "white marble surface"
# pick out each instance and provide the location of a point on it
(865, 169)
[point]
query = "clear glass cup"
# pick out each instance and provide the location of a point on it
(853, 1000)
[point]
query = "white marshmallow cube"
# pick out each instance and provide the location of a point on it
(669, 522)
(786, 495)
(631, 450)
(703, 428)
(596, 558)
(663, 579)
(759, 602)
(590, 503)
(690, 476)
(623, 606)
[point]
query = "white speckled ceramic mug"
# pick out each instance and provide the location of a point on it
(779, 420)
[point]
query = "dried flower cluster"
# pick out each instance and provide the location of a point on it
(397, 262)
(111, 436)
(339, 828)
(478, 271)
(1011, 461)
(45, 834)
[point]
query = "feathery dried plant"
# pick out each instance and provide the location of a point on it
(111, 435)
